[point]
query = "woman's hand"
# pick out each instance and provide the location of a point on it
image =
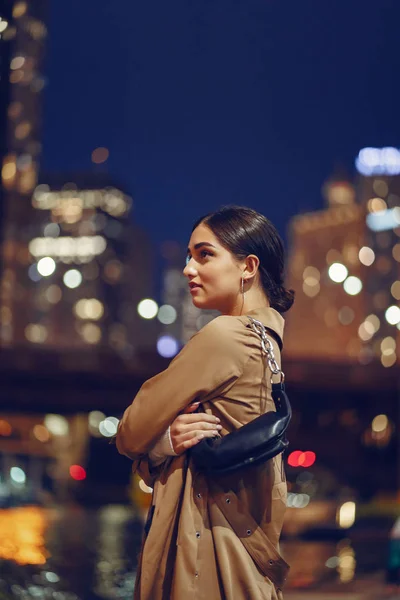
(190, 427)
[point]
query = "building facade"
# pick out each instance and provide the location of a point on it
(23, 37)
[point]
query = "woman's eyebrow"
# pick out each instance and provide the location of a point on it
(199, 244)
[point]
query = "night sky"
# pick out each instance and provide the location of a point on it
(209, 102)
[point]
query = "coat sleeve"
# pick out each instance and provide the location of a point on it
(208, 365)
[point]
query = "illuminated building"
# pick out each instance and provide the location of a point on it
(87, 268)
(325, 319)
(22, 37)
(344, 267)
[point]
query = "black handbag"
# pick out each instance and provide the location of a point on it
(257, 441)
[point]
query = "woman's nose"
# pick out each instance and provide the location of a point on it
(189, 270)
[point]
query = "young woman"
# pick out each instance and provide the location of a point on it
(214, 540)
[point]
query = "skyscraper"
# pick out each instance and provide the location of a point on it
(89, 268)
(23, 35)
(344, 266)
(325, 249)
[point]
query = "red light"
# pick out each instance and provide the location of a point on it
(301, 459)
(77, 472)
(294, 458)
(309, 459)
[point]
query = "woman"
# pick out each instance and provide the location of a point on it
(214, 539)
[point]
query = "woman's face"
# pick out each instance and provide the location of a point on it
(214, 274)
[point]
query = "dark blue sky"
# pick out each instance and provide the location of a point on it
(208, 102)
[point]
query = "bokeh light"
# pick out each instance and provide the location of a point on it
(109, 426)
(392, 315)
(77, 472)
(166, 314)
(167, 346)
(89, 308)
(352, 286)
(91, 333)
(147, 308)
(53, 294)
(5, 428)
(17, 475)
(36, 333)
(72, 278)
(100, 155)
(56, 424)
(46, 266)
(379, 423)
(346, 515)
(337, 272)
(41, 433)
(366, 256)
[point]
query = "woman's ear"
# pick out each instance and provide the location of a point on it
(251, 266)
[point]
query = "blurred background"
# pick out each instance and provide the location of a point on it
(120, 124)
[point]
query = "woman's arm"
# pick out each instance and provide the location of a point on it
(208, 365)
(185, 432)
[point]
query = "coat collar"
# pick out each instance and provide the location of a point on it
(268, 317)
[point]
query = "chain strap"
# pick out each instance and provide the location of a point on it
(267, 348)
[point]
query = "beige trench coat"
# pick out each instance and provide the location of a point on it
(210, 540)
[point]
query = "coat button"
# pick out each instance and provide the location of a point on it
(196, 574)
(271, 562)
(197, 534)
(227, 500)
(198, 495)
(248, 531)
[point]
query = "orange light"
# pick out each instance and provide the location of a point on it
(77, 472)
(5, 428)
(309, 459)
(41, 433)
(100, 155)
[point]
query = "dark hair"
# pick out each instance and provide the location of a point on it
(244, 231)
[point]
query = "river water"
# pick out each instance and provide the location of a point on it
(72, 553)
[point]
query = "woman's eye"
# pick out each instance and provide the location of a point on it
(204, 253)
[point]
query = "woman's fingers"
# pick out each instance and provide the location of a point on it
(191, 408)
(196, 437)
(197, 418)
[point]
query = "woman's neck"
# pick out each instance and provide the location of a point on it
(250, 300)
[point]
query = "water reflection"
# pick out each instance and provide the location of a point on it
(22, 535)
(77, 554)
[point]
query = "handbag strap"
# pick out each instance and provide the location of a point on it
(267, 348)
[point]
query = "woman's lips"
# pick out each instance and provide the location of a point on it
(194, 288)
